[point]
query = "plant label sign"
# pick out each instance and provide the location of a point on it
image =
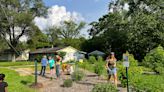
(125, 60)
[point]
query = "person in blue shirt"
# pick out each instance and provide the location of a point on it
(44, 63)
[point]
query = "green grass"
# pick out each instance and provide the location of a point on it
(17, 83)
(6, 64)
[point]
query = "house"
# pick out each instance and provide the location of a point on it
(9, 55)
(96, 53)
(71, 53)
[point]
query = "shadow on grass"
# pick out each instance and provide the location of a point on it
(24, 82)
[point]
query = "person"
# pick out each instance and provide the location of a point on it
(58, 62)
(111, 67)
(44, 62)
(52, 64)
(3, 85)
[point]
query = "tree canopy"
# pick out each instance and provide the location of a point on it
(16, 19)
(137, 30)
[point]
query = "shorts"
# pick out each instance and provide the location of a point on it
(51, 68)
(112, 71)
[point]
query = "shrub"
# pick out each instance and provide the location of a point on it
(105, 87)
(132, 70)
(62, 54)
(92, 59)
(155, 60)
(67, 83)
(100, 59)
(77, 75)
(86, 66)
(98, 68)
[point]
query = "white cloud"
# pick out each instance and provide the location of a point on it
(56, 14)
(126, 6)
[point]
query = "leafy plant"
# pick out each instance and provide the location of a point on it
(100, 59)
(77, 75)
(105, 87)
(98, 68)
(92, 59)
(62, 54)
(68, 83)
(132, 70)
(155, 60)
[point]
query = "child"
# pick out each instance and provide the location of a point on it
(3, 85)
(52, 64)
(58, 61)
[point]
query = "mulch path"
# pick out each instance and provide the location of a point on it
(55, 85)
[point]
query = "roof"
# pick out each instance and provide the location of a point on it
(96, 52)
(46, 50)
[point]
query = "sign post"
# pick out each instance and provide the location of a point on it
(126, 64)
(36, 74)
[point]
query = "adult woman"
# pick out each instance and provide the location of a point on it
(111, 67)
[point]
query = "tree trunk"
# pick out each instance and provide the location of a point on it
(13, 57)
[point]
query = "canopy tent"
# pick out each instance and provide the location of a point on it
(97, 53)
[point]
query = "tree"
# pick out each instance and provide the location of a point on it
(38, 39)
(67, 30)
(137, 30)
(67, 34)
(16, 19)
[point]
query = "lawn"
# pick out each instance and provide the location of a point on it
(17, 83)
(18, 63)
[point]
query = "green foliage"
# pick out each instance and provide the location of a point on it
(155, 59)
(18, 14)
(100, 59)
(62, 54)
(105, 87)
(133, 62)
(147, 83)
(138, 30)
(68, 83)
(17, 82)
(99, 67)
(132, 70)
(87, 66)
(92, 59)
(38, 40)
(77, 75)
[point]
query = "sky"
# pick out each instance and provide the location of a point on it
(76, 10)
(90, 10)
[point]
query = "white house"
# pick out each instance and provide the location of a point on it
(71, 53)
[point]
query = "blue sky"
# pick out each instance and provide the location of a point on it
(91, 10)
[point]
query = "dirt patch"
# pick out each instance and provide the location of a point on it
(24, 71)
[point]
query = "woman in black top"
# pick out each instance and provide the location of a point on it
(3, 85)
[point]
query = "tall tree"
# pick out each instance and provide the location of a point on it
(67, 31)
(138, 29)
(16, 19)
